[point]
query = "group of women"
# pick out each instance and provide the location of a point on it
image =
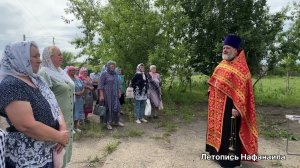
(37, 99)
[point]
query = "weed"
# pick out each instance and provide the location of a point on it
(135, 133)
(112, 146)
(92, 130)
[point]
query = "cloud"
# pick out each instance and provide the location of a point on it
(40, 21)
(277, 5)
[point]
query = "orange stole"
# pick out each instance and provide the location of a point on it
(232, 79)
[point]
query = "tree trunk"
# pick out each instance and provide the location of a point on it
(172, 80)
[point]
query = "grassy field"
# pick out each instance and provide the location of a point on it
(269, 91)
(273, 91)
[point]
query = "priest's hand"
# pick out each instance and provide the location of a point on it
(235, 113)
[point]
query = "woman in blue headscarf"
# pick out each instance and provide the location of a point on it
(37, 126)
(110, 92)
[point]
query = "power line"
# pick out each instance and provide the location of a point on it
(30, 13)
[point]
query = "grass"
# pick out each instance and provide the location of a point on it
(272, 91)
(112, 146)
(94, 159)
(128, 133)
(90, 130)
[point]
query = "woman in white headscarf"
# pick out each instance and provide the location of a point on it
(36, 122)
(63, 88)
(140, 87)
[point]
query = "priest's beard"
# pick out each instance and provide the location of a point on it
(228, 57)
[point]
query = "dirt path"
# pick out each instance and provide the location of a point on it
(182, 149)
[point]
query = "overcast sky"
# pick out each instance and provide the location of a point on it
(40, 20)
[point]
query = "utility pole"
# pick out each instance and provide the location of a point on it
(24, 37)
(53, 41)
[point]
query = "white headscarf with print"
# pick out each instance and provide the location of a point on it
(16, 62)
(57, 74)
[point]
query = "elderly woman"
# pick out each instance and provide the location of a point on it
(88, 93)
(154, 90)
(139, 84)
(63, 88)
(78, 102)
(36, 122)
(110, 92)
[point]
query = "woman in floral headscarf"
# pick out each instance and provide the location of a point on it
(88, 93)
(37, 126)
(63, 88)
(110, 92)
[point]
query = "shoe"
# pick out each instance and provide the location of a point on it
(120, 124)
(77, 130)
(109, 127)
(138, 121)
(144, 120)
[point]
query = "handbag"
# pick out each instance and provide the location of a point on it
(129, 93)
(148, 108)
(99, 110)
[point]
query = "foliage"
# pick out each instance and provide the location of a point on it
(289, 42)
(124, 31)
(69, 59)
(211, 20)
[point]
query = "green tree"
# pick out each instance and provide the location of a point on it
(124, 31)
(289, 44)
(211, 20)
(69, 58)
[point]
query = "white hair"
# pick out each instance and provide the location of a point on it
(152, 66)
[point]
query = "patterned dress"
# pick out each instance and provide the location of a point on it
(154, 90)
(88, 96)
(78, 103)
(64, 94)
(21, 150)
(110, 86)
(2, 147)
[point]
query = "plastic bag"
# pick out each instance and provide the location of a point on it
(129, 93)
(148, 108)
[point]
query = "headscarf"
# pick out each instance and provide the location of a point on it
(138, 70)
(108, 67)
(54, 73)
(81, 72)
(104, 68)
(16, 62)
(68, 68)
